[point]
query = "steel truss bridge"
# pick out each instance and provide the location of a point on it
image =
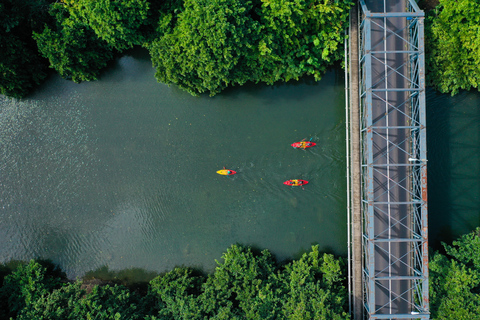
(393, 160)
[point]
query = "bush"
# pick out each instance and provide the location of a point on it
(21, 66)
(72, 47)
(452, 38)
(455, 279)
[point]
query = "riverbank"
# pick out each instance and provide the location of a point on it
(246, 283)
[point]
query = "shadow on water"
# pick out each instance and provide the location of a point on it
(296, 90)
(438, 145)
(454, 165)
(135, 279)
(51, 269)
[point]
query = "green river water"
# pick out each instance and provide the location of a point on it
(121, 172)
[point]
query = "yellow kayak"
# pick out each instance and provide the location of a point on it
(226, 172)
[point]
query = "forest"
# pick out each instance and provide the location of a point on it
(246, 284)
(202, 46)
(452, 45)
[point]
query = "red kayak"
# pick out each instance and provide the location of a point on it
(295, 182)
(303, 144)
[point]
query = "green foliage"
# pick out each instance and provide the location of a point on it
(301, 37)
(27, 284)
(21, 66)
(210, 47)
(245, 285)
(110, 302)
(451, 284)
(72, 47)
(203, 46)
(455, 280)
(175, 294)
(72, 302)
(249, 285)
(452, 37)
(63, 303)
(313, 288)
(219, 43)
(466, 249)
(121, 23)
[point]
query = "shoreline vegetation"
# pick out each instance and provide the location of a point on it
(205, 46)
(202, 46)
(452, 45)
(246, 284)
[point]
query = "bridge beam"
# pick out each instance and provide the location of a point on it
(355, 174)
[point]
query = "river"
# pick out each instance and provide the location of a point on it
(453, 144)
(120, 173)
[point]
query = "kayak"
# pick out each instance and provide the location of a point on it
(303, 144)
(226, 172)
(295, 182)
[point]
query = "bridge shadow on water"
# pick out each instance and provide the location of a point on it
(453, 142)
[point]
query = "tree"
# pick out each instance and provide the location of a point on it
(72, 47)
(27, 284)
(244, 286)
(452, 38)
(121, 23)
(212, 46)
(251, 285)
(455, 279)
(216, 44)
(60, 304)
(175, 294)
(301, 37)
(21, 66)
(313, 288)
(71, 302)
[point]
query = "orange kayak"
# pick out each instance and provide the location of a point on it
(303, 144)
(295, 182)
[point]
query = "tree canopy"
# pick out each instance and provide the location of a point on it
(72, 47)
(301, 37)
(216, 44)
(452, 38)
(245, 285)
(203, 46)
(211, 46)
(120, 23)
(21, 66)
(455, 279)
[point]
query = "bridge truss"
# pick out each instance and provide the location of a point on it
(394, 162)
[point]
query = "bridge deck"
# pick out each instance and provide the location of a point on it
(390, 184)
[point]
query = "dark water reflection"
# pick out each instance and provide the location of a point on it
(454, 165)
(121, 172)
